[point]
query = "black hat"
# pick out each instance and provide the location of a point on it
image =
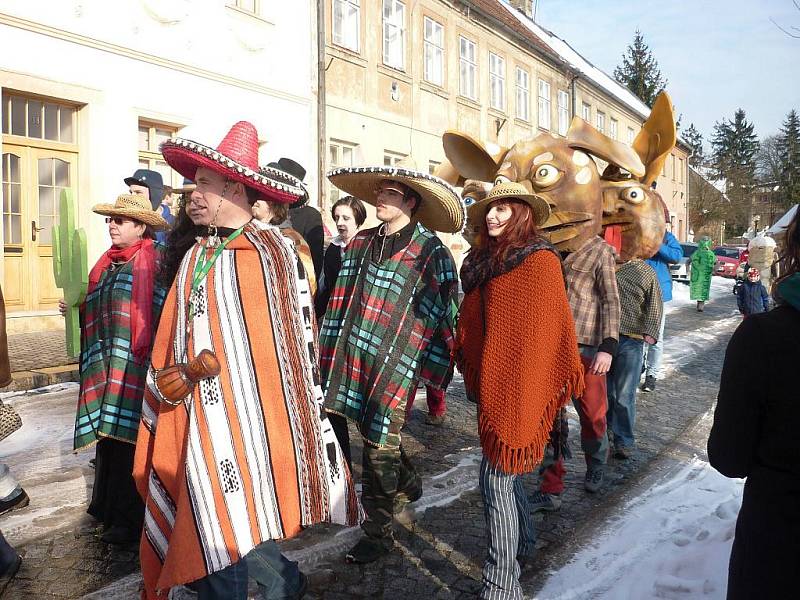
(153, 181)
(287, 165)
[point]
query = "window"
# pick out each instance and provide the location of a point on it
(12, 199)
(340, 154)
(468, 68)
(346, 23)
(680, 170)
(432, 166)
(390, 159)
(38, 119)
(251, 6)
(631, 136)
(601, 122)
(563, 112)
(394, 31)
(523, 95)
(613, 127)
(497, 81)
(434, 52)
(672, 162)
(586, 112)
(151, 136)
(544, 104)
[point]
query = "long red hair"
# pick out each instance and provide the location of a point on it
(520, 231)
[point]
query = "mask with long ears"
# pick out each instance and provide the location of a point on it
(545, 164)
(633, 212)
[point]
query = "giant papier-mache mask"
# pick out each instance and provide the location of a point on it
(584, 203)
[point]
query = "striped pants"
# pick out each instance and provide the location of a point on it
(510, 529)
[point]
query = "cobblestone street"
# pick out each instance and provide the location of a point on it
(440, 545)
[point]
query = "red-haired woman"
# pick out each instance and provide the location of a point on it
(516, 348)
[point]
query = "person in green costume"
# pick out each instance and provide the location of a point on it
(703, 261)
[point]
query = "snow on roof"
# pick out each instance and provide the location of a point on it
(721, 184)
(782, 223)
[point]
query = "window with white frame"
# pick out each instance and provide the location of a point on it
(340, 154)
(347, 23)
(523, 95)
(434, 52)
(497, 81)
(151, 136)
(613, 128)
(394, 32)
(468, 68)
(563, 112)
(252, 6)
(544, 104)
(586, 112)
(390, 159)
(631, 136)
(600, 122)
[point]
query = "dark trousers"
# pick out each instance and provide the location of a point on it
(115, 501)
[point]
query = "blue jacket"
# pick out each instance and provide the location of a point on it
(752, 298)
(669, 253)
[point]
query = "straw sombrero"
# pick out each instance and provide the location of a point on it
(477, 209)
(132, 206)
(236, 158)
(441, 208)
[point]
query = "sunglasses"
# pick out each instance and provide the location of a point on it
(116, 220)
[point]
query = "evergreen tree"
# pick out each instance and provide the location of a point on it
(695, 140)
(789, 159)
(734, 147)
(639, 71)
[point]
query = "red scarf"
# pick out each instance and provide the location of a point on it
(143, 254)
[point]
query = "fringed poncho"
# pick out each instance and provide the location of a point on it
(521, 360)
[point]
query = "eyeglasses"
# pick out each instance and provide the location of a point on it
(116, 220)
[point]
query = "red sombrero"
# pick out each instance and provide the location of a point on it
(236, 158)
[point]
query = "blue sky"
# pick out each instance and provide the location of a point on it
(717, 55)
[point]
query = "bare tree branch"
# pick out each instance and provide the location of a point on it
(789, 33)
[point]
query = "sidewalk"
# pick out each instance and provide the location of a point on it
(39, 359)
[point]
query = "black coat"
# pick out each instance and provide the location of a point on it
(752, 298)
(755, 435)
(330, 271)
(307, 221)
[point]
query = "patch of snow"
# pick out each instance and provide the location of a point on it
(671, 542)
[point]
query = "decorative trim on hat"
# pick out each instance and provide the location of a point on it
(273, 178)
(399, 171)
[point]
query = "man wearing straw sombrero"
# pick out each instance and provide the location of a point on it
(246, 456)
(390, 324)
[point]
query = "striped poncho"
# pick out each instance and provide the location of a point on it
(388, 326)
(112, 381)
(250, 456)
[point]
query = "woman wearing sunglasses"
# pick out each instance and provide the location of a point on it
(118, 318)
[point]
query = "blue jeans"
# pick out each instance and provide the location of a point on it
(654, 353)
(623, 380)
(510, 529)
(278, 578)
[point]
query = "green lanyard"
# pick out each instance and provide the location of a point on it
(204, 263)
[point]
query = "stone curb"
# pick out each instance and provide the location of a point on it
(22, 381)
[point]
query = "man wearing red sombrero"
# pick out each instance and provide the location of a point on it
(389, 324)
(246, 456)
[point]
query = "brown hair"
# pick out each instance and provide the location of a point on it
(356, 205)
(520, 230)
(279, 210)
(790, 257)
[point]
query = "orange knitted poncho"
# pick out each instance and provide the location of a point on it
(526, 366)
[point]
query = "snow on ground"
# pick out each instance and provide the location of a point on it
(721, 287)
(673, 541)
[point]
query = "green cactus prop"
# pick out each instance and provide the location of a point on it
(70, 267)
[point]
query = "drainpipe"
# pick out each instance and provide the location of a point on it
(574, 97)
(321, 104)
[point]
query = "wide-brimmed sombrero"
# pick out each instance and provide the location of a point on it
(441, 208)
(132, 206)
(236, 158)
(477, 209)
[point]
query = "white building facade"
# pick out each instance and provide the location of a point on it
(90, 88)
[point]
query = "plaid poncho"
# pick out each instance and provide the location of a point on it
(387, 326)
(112, 382)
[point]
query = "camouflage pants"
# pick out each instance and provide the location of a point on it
(388, 481)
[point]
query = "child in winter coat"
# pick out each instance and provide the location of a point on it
(752, 297)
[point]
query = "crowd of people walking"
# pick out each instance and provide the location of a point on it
(224, 352)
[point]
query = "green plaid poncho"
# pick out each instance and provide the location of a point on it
(387, 326)
(112, 382)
